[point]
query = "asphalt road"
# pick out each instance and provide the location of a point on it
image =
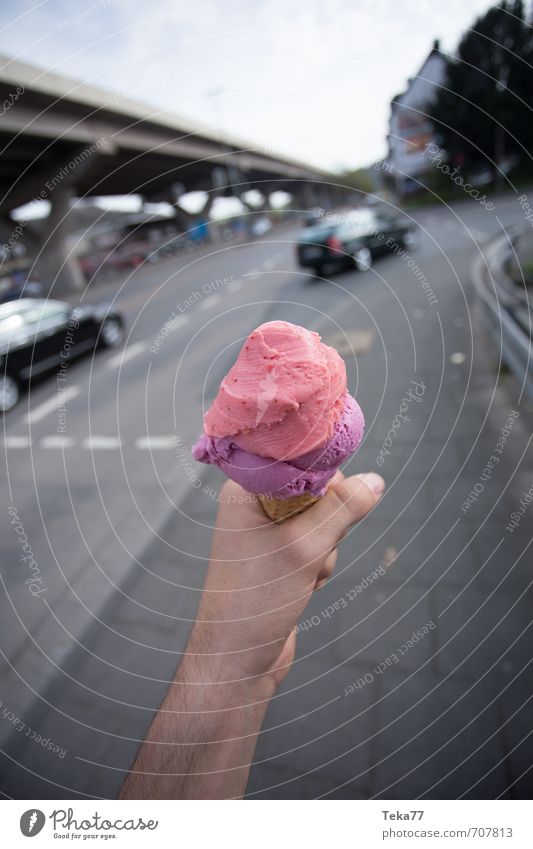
(118, 518)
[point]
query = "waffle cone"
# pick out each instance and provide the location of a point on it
(279, 509)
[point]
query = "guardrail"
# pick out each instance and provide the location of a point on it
(506, 309)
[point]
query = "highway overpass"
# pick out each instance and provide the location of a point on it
(61, 138)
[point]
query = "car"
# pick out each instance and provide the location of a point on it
(313, 216)
(38, 335)
(353, 240)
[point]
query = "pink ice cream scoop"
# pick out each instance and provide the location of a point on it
(282, 422)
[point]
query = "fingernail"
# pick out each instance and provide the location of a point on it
(374, 482)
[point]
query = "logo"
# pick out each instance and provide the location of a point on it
(32, 822)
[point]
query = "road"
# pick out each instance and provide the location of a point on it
(118, 520)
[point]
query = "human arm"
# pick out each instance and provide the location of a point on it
(260, 578)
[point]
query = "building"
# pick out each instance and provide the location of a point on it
(410, 128)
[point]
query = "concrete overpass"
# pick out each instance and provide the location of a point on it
(60, 138)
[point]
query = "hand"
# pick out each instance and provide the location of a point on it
(261, 577)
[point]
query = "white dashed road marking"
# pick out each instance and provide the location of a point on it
(177, 323)
(57, 441)
(209, 302)
(151, 443)
(41, 410)
(126, 355)
(16, 442)
(101, 443)
(54, 441)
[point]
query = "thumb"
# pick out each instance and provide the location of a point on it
(348, 500)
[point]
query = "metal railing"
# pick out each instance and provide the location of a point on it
(506, 309)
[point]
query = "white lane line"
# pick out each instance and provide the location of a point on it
(477, 234)
(254, 273)
(103, 443)
(209, 302)
(176, 323)
(57, 441)
(16, 442)
(151, 443)
(60, 399)
(126, 355)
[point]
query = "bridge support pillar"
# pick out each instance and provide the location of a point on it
(56, 266)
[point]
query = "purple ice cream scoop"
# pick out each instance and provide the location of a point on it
(281, 479)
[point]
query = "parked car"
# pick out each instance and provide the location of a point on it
(313, 216)
(353, 240)
(37, 335)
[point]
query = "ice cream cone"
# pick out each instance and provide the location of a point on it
(283, 420)
(279, 509)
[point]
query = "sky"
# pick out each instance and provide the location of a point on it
(311, 79)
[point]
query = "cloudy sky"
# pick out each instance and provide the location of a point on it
(310, 78)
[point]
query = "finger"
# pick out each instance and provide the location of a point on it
(346, 502)
(327, 570)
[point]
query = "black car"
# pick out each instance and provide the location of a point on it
(38, 335)
(353, 240)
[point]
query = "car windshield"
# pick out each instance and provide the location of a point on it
(318, 234)
(358, 223)
(17, 314)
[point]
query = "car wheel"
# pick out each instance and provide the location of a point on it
(111, 332)
(363, 259)
(410, 240)
(318, 270)
(9, 392)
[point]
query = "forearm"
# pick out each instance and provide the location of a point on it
(201, 742)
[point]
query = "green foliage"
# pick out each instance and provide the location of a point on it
(358, 179)
(487, 84)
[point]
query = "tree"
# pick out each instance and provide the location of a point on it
(484, 111)
(358, 179)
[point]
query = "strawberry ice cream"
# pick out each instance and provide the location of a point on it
(282, 421)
